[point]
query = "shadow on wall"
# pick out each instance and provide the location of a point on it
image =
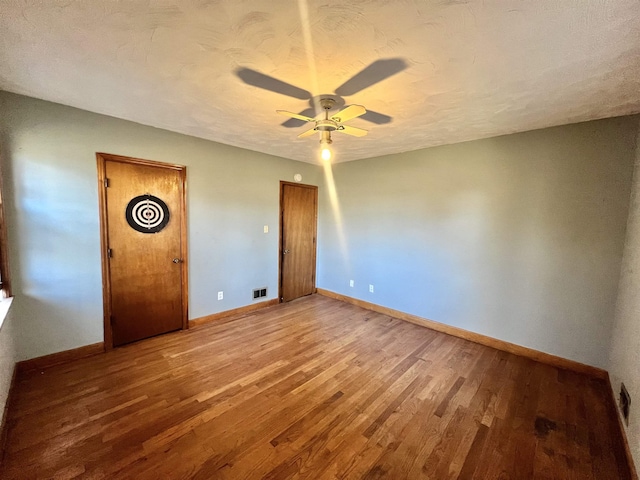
(52, 240)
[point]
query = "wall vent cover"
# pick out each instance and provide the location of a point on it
(259, 293)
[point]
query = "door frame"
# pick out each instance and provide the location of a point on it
(102, 159)
(315, 234)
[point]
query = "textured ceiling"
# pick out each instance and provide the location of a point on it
(474, 69)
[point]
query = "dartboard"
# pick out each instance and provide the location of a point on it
(147, 214)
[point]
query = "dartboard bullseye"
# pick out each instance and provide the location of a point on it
(147, 214)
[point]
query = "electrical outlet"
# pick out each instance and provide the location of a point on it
(266, 229)
(220, 295)
(351, 283)
(370, 288)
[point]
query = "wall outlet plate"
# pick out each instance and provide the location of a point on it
(351, 283)
(370, 288)
(220, 295)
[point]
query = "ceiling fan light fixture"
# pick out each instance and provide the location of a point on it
(326, 154)
(325, 141)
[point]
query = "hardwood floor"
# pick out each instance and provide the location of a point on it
(316, 389)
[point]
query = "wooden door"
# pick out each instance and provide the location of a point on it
(298, 219)
(144, 248)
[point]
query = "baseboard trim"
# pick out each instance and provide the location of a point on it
(196, 322)
(622, 433)
(4, 428)
(502, 345)
(47, 361)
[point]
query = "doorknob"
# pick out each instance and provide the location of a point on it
(285, 251)
(177, 260)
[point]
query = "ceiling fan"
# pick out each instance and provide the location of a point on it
(328, 124)
(368, 76)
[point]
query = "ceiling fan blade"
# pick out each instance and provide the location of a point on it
(260, 80)
(352, 111)
(377, 118)
(307, 133)
(294, 115)
(355, 131)
(374, 73)
(294, 122)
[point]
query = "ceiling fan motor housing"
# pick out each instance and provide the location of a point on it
(326, 125)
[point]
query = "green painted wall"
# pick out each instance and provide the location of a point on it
(517, 237)
(624, 360)
(51, 192)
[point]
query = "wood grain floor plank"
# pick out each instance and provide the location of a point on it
(315, 388)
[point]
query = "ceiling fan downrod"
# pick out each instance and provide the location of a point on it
(327, 124)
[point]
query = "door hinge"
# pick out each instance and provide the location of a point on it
(106, 183)
(111, 319)
(109, 253)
